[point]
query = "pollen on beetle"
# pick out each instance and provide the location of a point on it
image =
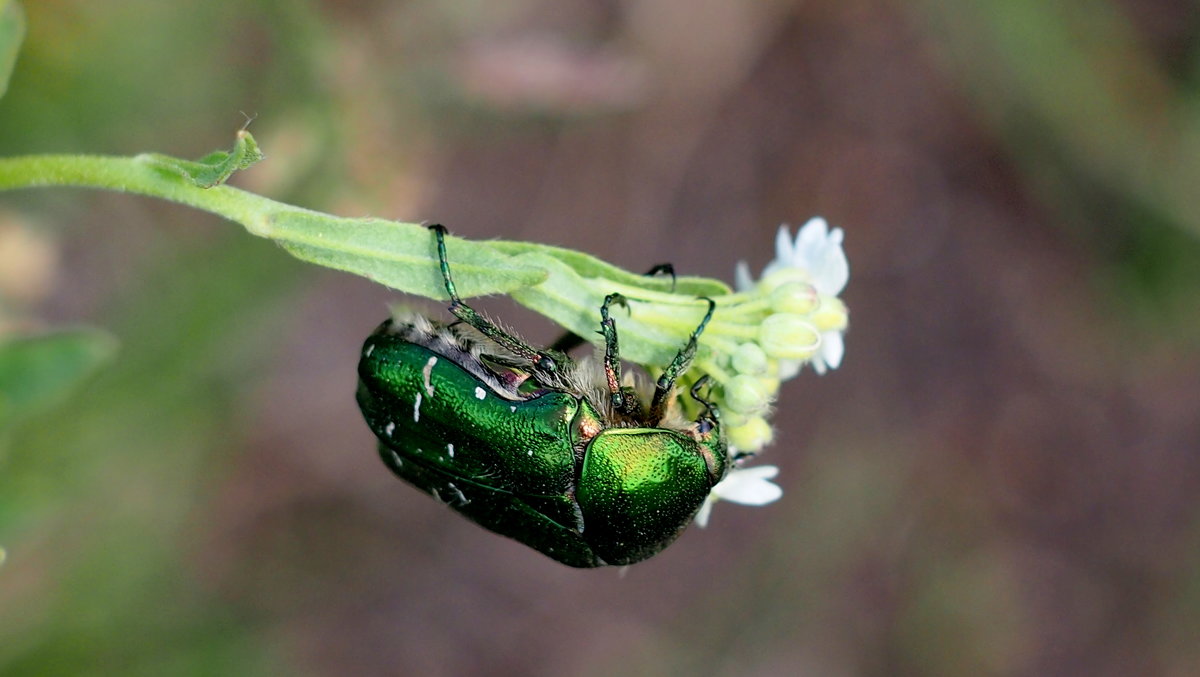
(396, 459)
(450, 450)
(417, 409)
(426, 373)
(513, 408)
(390, 428)
(479, 393)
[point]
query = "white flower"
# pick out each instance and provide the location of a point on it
(816, 252)
(747, 486)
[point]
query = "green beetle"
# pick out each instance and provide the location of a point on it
(534, 446)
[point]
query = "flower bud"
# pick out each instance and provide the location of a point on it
(745, 395)
(795, 297)
(750, 359)
(732, 419)
(782, 276)
(831, 315)
(755, 434)
(788, 337)
(769, 384)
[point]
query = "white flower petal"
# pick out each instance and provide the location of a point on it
(749, 486)
(742, 280)
(833, 347)
(788, 369)
(784, 251)
(810, 243)
(830, 270)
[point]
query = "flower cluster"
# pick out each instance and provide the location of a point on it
(766, 332)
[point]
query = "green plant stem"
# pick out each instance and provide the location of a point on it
(133, 175)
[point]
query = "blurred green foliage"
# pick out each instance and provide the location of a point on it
(12, 29)
(100, 575)
(37, 371)
(1103, 127)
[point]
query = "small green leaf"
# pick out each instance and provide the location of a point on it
(12, 30)
(212, 169)
(36, 371)
(399, 255)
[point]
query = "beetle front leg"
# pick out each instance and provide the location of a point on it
(624, 400)
(683, 359)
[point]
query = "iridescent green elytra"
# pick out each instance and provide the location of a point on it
(531, 445)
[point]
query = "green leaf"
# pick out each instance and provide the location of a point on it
(212, 169)
(573, 301)
(590, 267)
(399, 255)
(37, 371)
(12, 30)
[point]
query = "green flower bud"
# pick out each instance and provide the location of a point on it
(745, 395)
(755, 434)
(795, 297)
(788, 337)
(750, 359)
(769, 384)
(732, 419)
(831, 315)
(783, 276)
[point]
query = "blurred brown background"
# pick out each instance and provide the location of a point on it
(1003, 478)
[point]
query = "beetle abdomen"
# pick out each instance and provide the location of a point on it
(424, 406)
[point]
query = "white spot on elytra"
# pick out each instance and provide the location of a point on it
(390, 428)
(370, 349)
(426, 373)
(479, 393)
(529, 452)
(450, 450)
(462, 499)
(513, 408)
(417, 409)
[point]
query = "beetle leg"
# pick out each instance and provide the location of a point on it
(662, 389)
(541, 360)
(622, 401)
(660, 268)
(710, 410)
